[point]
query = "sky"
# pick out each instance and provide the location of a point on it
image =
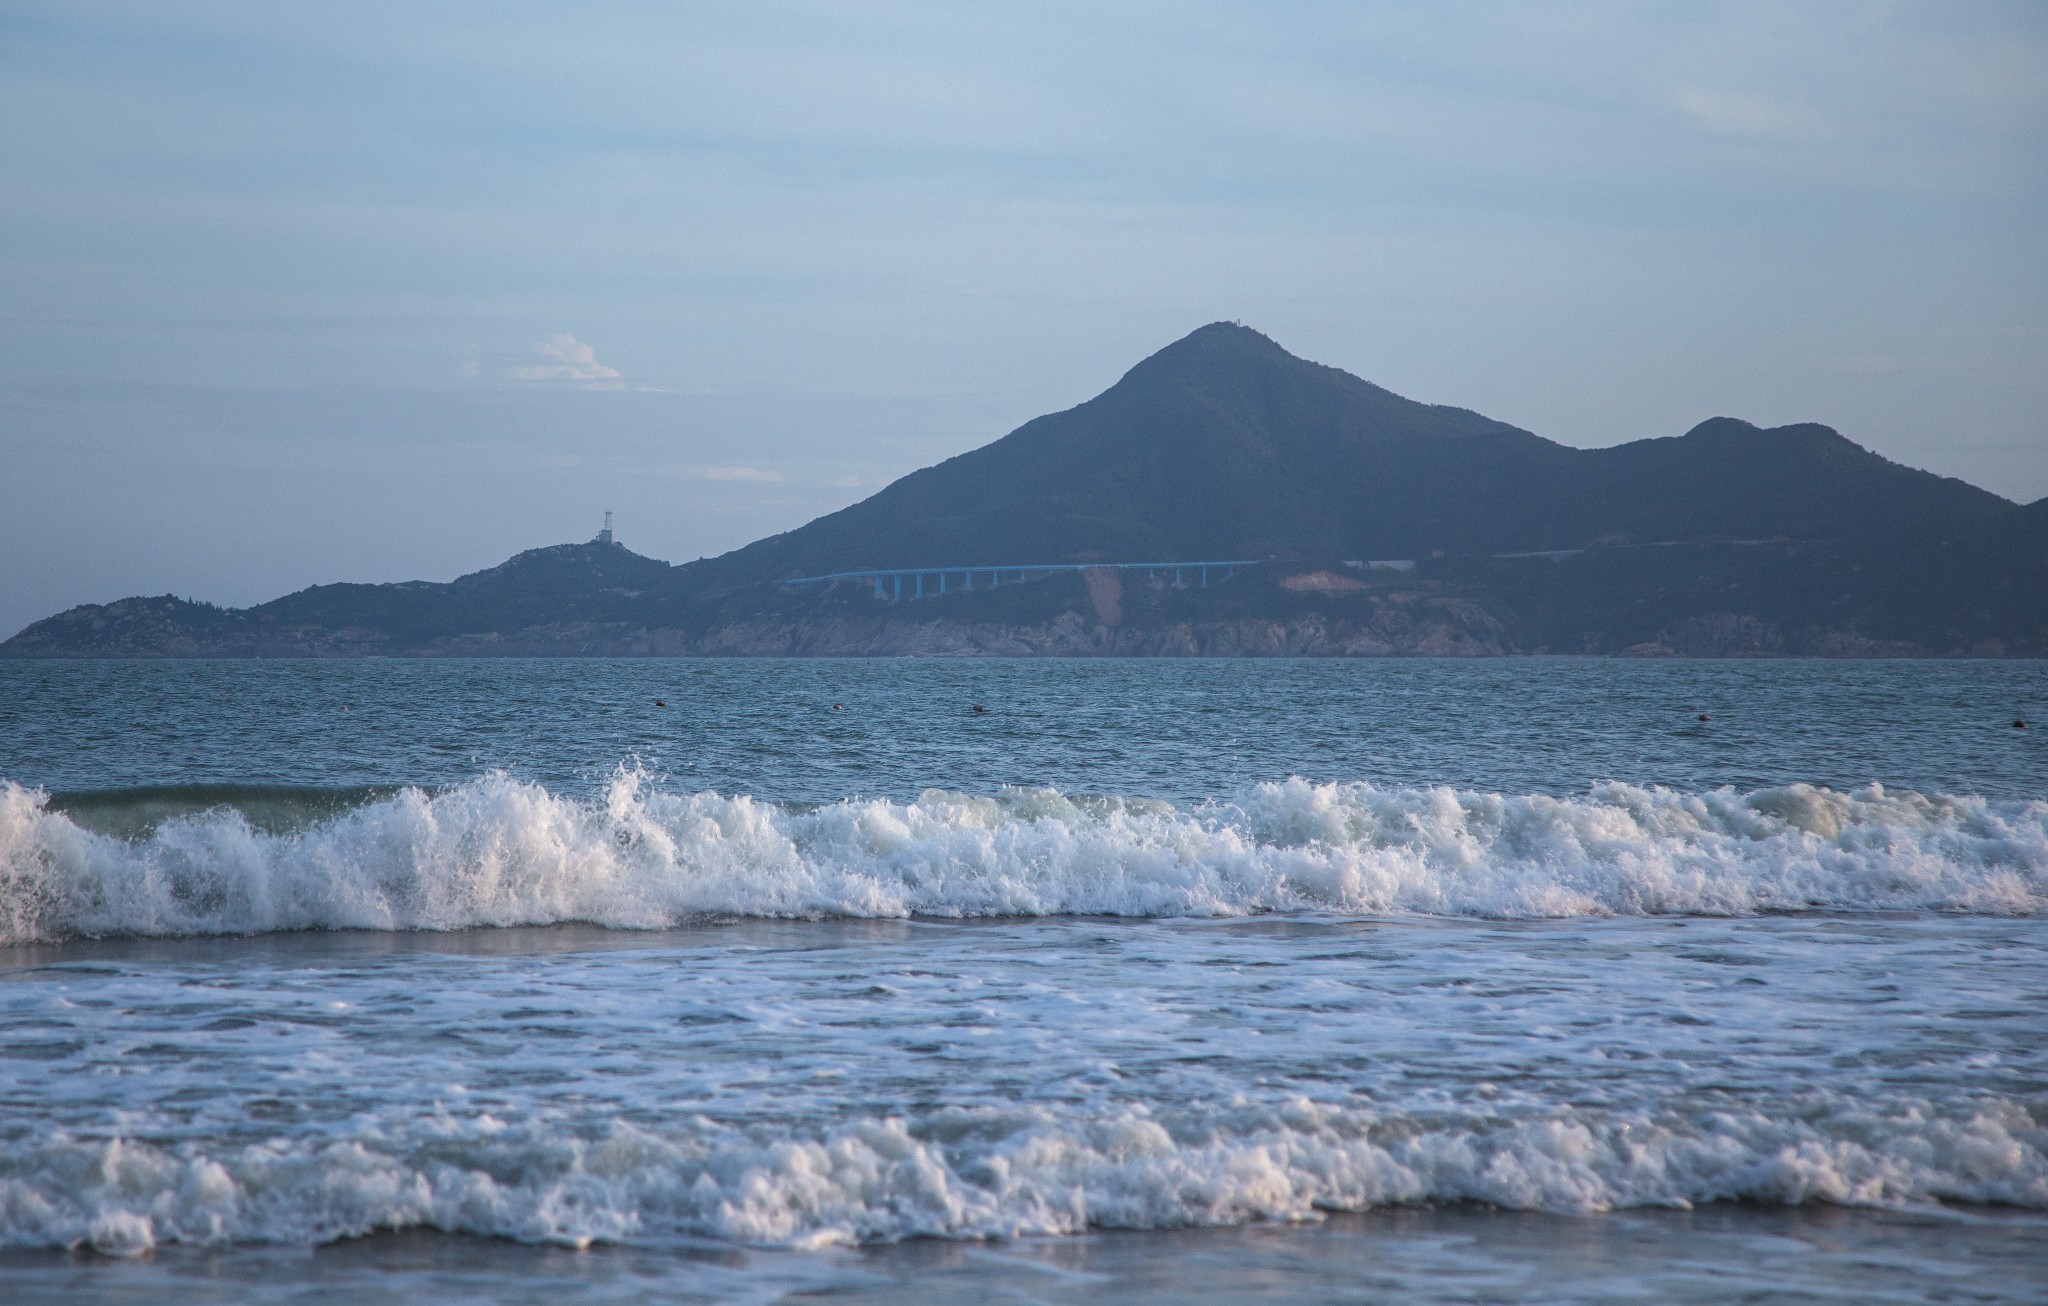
(296, 294)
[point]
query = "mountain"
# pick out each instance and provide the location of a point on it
(1729, 539)
(564, 582)
(1224, 445)
(561, 589)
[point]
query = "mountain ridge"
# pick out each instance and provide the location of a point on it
(1225, 445)
(1220, 445)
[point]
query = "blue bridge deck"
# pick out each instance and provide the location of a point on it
(930, 582)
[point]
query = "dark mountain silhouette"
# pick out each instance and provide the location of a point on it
(561, 588)
(1728, 539)
(1224, 445)
(561, 582)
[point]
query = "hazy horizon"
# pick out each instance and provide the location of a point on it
(304, 297)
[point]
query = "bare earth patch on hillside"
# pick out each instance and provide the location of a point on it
(1322, 582)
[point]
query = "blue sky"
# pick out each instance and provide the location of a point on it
(379, 291)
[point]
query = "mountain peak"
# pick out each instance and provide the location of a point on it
(567, 566)
(1724, 427)
(1734, 428)
(1219, 344)
(1227, 335)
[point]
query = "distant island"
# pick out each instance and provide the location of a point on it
(1335, 518)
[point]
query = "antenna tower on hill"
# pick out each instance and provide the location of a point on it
(605, 536)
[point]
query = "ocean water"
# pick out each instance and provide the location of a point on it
(916, 980)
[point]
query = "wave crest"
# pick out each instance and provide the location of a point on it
(500, 851)
(998, 1173)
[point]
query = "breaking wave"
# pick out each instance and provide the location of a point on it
(991, 1172)
(500, 851)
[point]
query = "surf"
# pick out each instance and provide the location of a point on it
(500, 851)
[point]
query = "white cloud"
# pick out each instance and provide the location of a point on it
(569, 360)
(741, 474)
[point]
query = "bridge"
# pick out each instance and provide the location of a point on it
(930, 582)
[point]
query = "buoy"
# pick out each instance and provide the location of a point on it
(979, 708)
(661, 702)
(2019, 725)
(835, 707)
(1705, 717)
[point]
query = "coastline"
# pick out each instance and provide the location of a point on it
(1454, 630)
(1419, 1254)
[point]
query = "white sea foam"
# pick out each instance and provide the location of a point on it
(997, 1173)
(498, 851)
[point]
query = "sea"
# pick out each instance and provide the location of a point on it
(919, 980)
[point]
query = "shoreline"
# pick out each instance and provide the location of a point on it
(1450, 1253)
